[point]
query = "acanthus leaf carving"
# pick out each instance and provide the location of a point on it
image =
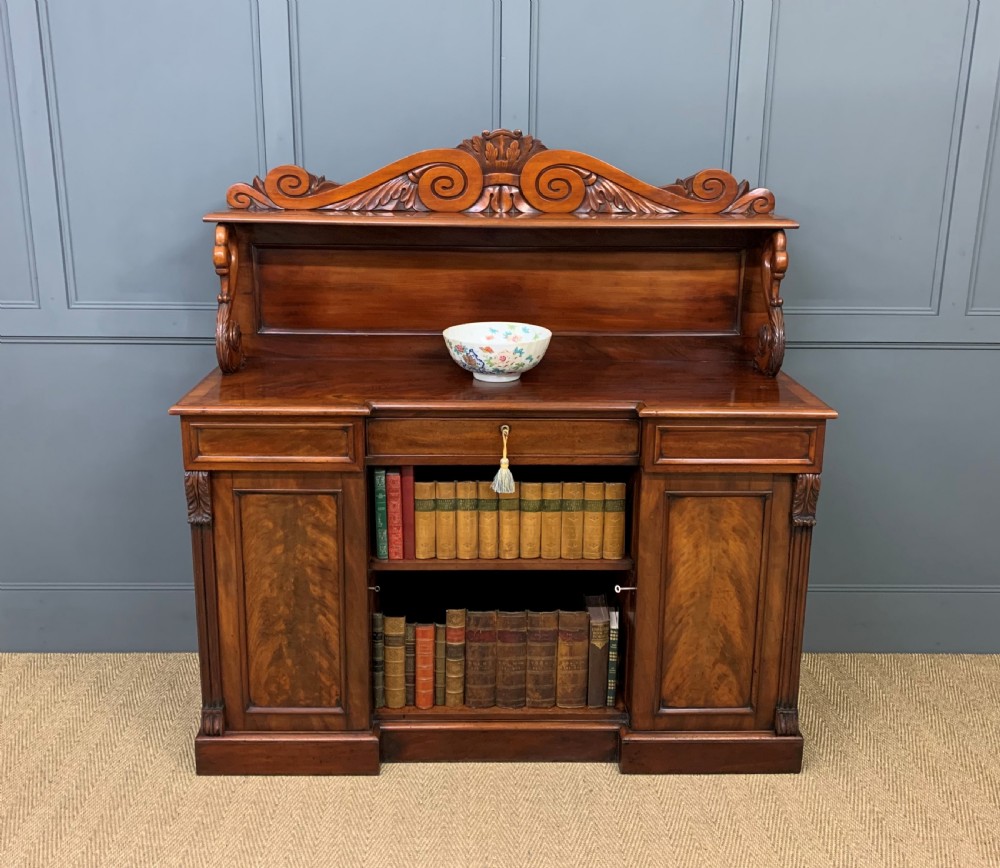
(213, 719)
(198, 492)
(502, 172)
(786, 720)
(804, 500)
(771, 338)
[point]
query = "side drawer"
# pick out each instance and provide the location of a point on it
(475, 440)
(768, 446)
(219, 443)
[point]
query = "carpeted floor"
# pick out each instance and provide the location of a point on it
(902, 769)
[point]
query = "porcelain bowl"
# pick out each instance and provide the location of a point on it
(497, 352)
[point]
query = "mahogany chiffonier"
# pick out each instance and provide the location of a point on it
(663, 373)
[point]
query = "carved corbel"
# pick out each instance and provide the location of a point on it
(213, 719)
(771, 337)
(198, 490)
(804, 499)
(228, 347)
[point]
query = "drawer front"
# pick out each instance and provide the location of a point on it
(463, 440)
(222, 444)
(770, 446)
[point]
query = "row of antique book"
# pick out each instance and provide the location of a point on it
(505, 659)
(469, 520)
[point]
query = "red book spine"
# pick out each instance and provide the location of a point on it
(394, 506)
(425, 666)
(409, 536)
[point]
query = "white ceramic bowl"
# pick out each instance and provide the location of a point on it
(497, 352)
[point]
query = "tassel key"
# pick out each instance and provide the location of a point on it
(503, 482)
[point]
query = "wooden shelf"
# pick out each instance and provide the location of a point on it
(443, 713)
(433, 564)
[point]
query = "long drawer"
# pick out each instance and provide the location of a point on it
(474, 440)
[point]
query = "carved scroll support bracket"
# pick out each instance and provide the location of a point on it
(804, 499)
(771, 337)
(197, 489)
(228, 346)
(213, 719)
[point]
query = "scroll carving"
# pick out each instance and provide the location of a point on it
(786, 720)
(228, 347)
(213, 719)
(771, 337)
(502, 172)
(804, 500)
(198, 490)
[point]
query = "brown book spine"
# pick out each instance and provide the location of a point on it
(593, 520)
(531, 519)
(454, 652)
(394, 514)
(598, 652)
(487, 504)
(444, 525)
(378, 659)
(512, 638)
(571, 659)
(410, 658)
(466, 520)
(543, 637)
(425, 666)
(614, 520)
(550, 547)
(395, 662)
(510, 521)
(424, 519)
(571, 543)
(481, 659)
(439, 663)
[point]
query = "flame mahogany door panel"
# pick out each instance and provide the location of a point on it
(712, 567)
(291, 568)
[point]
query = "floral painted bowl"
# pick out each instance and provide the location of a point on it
(497, 352)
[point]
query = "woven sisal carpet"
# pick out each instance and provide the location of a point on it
(902, 768)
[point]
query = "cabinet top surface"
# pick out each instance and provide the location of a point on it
(559, 385)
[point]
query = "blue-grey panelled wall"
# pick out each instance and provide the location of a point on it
(874, 121)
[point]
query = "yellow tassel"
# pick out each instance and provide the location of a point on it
(503, 482)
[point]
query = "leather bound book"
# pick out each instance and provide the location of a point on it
(512, 638)
(531, 519)
(597, 662)
(614, 520)
(571, 543)
(444, 525)
(381, 517)
(378, 659)
(424, 506)
(612, 657)
(395, 662)
(439, 658)
(550, 548)
(466, 520)
(406, 489)
(394, 509)
(593, 520)
(481, 659)
(410, 659)
(540, 682)
(425, 665)
(486, 504)
(571, 659)
(510, 521)
(454, 654)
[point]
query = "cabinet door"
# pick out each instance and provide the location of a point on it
(711, 574)
(291, 565)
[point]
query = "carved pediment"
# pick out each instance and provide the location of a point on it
(501, 172)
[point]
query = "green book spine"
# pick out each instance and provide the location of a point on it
(612, 658)
(381, 517)
(378, 659)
